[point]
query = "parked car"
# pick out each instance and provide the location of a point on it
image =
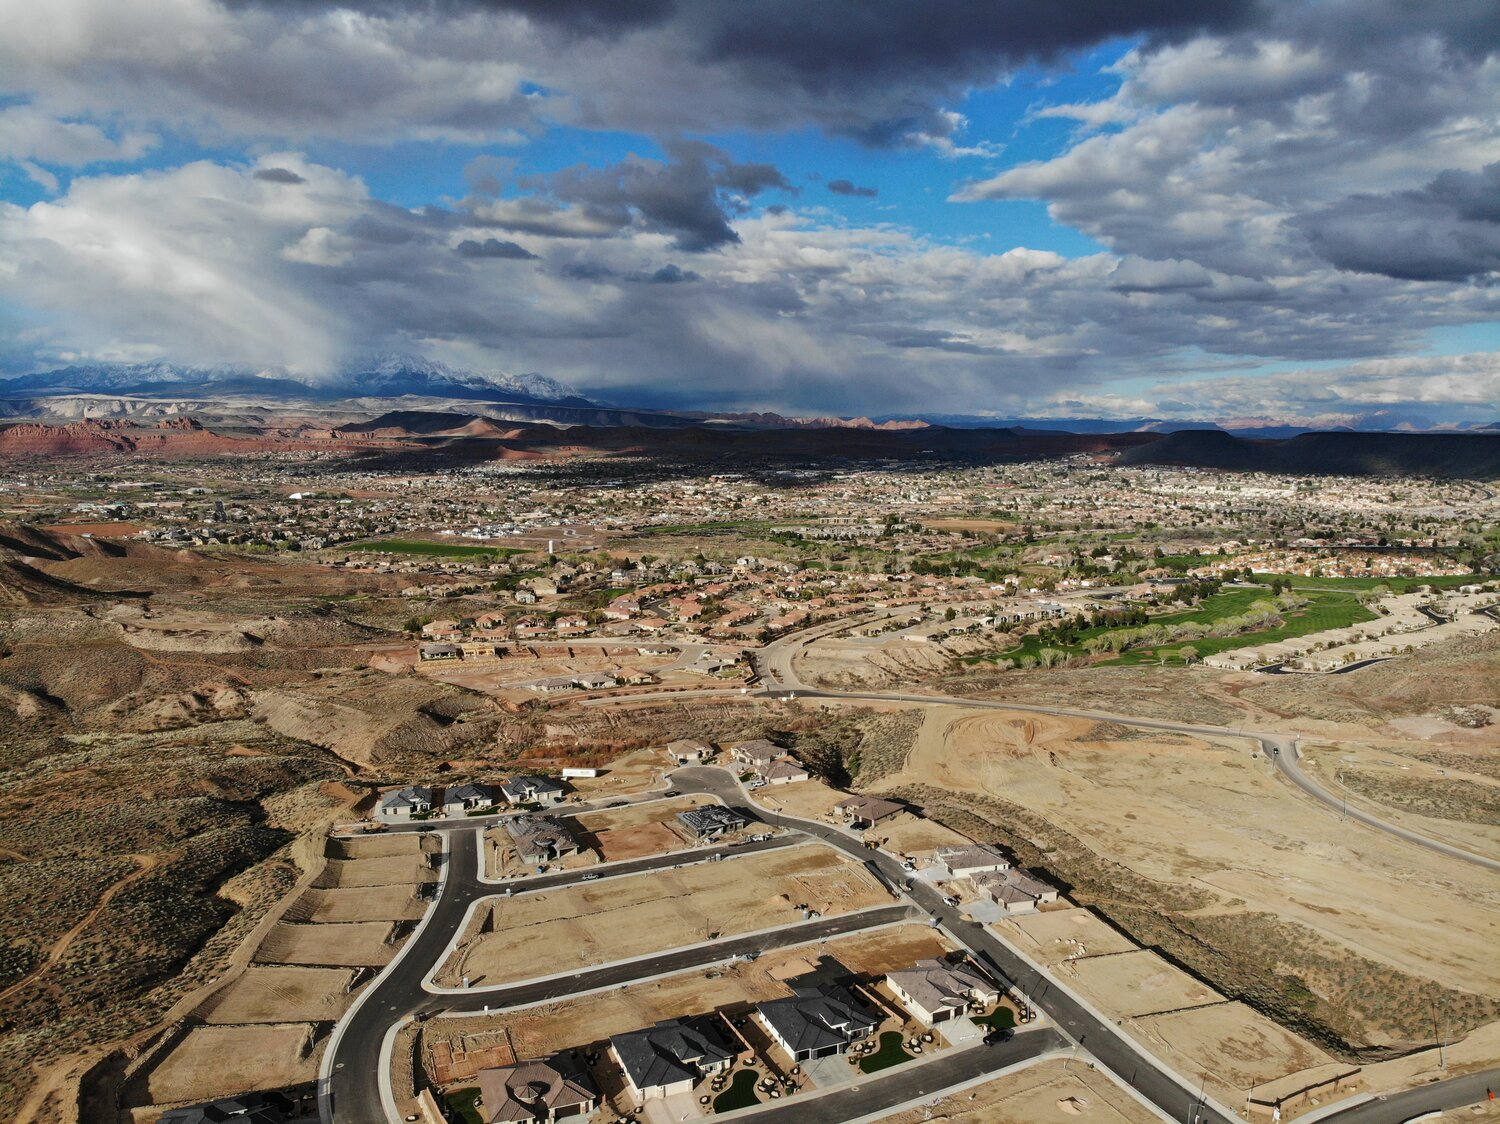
(671, 792)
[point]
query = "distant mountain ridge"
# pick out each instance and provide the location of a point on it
(389, 375)
(1472, 455)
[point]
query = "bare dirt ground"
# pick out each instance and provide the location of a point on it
(355, 945)
(370, 903)
(808, 800)
(1136, 983)
(1209, 817)
(631, 772)
(640, 830)
(563, 930)
(1234, 1049)
(395, 870)
(911, 834)
(1050, 1092)
(218, 1061)
(1056, 935)
(537, 1031)
(271, 995)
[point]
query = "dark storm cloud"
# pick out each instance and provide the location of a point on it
(278, 175)
(672, 275)
(494, 248)
(1448, 230)
(690, 197)
(849, 187)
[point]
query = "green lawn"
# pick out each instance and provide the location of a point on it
(741, 1092)
(422, 546)
(465, 1104)
(1396, 585)
(1001, 1018)
(1325, 610)
(892, 1052)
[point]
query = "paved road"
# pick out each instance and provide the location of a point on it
(353, 1084)
(775, 663)
(1456, 1092)
(866, 1097)
(1286, 759)
(1101, 1038)
(683, 960)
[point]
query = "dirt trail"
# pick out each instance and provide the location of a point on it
(145, 864)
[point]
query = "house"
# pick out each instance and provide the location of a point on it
(542, 1089)
(936, 991)
(974, 859)
(533, 790)
(816, 1023)
(1013, 890)
(867, 811)
(251, 1108)
(757, 754)
(688, 751)
(440, 652)
(636, 676)
(672, 1056)
(467, 797)
(541, 839)
(571, 626)
(784, 770)
(596, 680)
(413, 800)
(711, 821)
(553, 685)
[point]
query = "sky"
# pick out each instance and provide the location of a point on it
(1214, 209)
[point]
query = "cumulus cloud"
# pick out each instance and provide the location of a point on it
(691, 196)
(849, 187)
(493, 248)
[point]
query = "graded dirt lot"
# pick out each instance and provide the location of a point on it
(1058, 934)
(270, 995)
(639, 830)
(537, 1031)
(615, 919)
(403, 870)
(1209, 829)
(1136, 983)
(1234, 1048)
(367, 903)
(1050, 1092)
(808, 800)
(356, 944)
(219, 1061)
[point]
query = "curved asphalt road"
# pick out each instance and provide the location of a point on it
(775, 663)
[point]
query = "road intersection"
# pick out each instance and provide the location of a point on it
(352, 1085)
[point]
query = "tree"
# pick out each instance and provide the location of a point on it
(1188, 653)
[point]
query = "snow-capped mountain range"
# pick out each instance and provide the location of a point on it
(384, 376)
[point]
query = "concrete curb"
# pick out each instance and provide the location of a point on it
(325, 1067)
(651, 978)
(431, 989)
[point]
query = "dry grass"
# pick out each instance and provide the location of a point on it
(278, 995)
(1050, 1092)
(354, 944)
(218, 1061)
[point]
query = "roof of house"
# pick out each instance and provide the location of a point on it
(758, 750)
(869, 807)
(531, 1090)
(815, 1020)
(783, 767)
(520, 786)
(671, 1051)
(411, 795)
(711, 817)
(540, 835)
(934, 984)
(468, 792)
(973, 857)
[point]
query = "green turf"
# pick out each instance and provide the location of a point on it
(1396, 585)
(1325, 610)
(464, 1104)
(1001, 1018)
(892, 1052)
(421, 546)
(741, 1092)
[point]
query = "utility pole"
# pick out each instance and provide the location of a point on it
(1436, 1037)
